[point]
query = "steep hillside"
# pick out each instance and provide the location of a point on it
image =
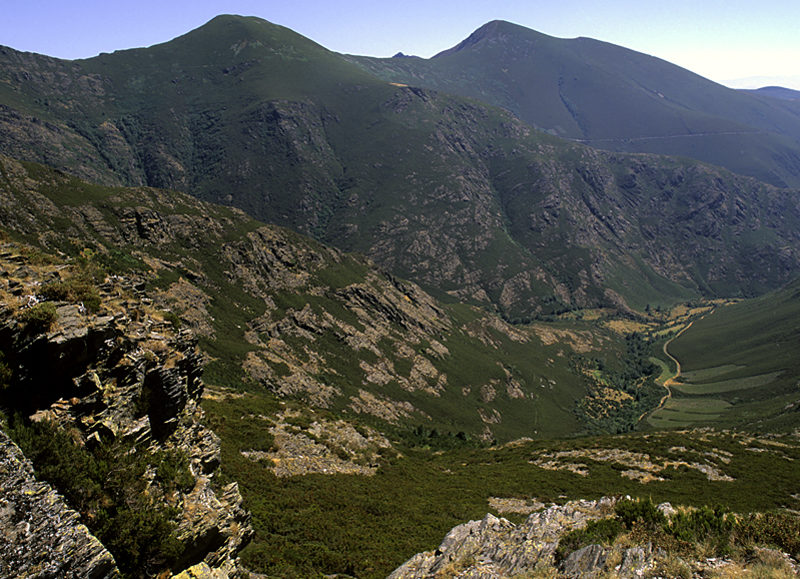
(334, 388)
(280, 312)
(460, 197)
(612, 98)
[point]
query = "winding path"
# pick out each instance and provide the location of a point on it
(671, 380)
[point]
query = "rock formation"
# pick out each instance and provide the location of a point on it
(495, 547)
(118, 373)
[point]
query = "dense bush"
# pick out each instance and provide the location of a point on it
(602, 532)
(634, 376)
(426, 437)
(38, 318)
(108, 487)
(713, 526)
(642, 512)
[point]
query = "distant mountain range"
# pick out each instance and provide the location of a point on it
(456, 194)
(612, 98)
(777, 92)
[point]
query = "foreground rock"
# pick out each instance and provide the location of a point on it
(495, 547)
(118, 373)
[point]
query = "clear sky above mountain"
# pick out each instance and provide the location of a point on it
(720, 39)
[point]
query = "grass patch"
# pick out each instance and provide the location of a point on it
(709, 373)
(666, 372)
(684, 412)
(728, 385)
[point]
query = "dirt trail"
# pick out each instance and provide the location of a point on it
(672, 379)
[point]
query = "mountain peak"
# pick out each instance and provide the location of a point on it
(496, 31)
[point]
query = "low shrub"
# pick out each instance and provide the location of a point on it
(703, 525)
(780, 530)
(76, 289)
(38, 318)
(601, 532)
(642, 512)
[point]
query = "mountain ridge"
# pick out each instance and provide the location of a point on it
(609, 96)
(361, 415)
(300, 136)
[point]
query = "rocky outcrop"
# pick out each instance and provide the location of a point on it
(40, 536)
(117, 373)
(635, 465)
(325, 447)
(495, 547)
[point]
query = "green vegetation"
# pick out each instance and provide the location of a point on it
(739, 366)
(39, 318)
(366, 526)
(600, 532)
(76, 289)
(467, 200)
(605, 95)
(557, 223)
(683, 412)
(732, 385)
(106, 486)
(688, 532)
(622, 393)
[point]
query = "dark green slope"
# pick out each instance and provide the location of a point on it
(775, 92)
(454, 194)
(610, 97)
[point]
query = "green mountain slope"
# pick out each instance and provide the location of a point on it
(612, 98)
(739, 366)
(460, 197)
(335, 388)
(283, 316)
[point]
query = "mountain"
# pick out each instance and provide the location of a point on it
(610, 97)
(777, 92)
(458, 196)
(183, 378)
(280, 313)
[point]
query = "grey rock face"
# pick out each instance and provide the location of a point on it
(585, 562)
(636, 560)
(495, 547)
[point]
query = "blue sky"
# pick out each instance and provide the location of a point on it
(722, 40)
